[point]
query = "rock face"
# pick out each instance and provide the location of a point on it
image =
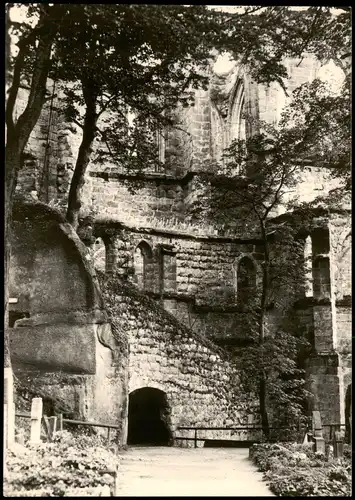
(150, 237)
(58, 318)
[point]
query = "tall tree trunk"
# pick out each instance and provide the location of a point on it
(262, 317)
(83, 159)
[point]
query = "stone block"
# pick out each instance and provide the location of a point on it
(319, 445)
(70, 348)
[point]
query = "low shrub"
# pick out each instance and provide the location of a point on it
(295, 470)
(54, 468)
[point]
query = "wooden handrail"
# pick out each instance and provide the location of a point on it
(77, 422)
(243, 428)
(91, 424)
(226, 428)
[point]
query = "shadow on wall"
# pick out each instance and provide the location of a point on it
(148, 415)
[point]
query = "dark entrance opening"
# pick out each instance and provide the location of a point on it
(15, 315)
(148, 413)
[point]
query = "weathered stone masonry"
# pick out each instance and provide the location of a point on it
(71, 355)
(202, 387)
(149, 237)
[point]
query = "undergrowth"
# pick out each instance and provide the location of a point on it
(58, 468)
(296, 470)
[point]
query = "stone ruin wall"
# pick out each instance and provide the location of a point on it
(329, 367)
(202, 386)
(164, 205)
(195, 150)
(71, 357)
(200, 290)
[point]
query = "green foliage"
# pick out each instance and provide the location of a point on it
(262, 37)
(146, 59)
(295, 470)
(276, 359)
(321, 118)
(63, 464)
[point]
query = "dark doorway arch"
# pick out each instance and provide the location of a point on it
(148, 415)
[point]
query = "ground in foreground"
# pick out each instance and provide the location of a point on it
(166, 471)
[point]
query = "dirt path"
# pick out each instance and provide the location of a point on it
(164, 471)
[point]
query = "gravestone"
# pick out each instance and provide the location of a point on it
(338, 444)
(36, 419)
(317, 430)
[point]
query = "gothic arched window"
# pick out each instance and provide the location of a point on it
(237, 125)
(143, 265)
(246, 280)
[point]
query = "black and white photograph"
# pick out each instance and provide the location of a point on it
(177, 250)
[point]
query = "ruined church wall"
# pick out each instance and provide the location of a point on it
(201, 385)
(201, 280)
(340, 260)
(99, 397)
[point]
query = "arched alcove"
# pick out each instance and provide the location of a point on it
(148, 418)
(321, 277)
(237, 123)
(246, 280)
(143, 257)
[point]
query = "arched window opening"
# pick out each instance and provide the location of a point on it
(321, 278)
(143, 266)
(160, 140)
(217, 135)
(320, 241)
(99, 255)
(246, 280)
(308, 267)
(148, 418)
(237, 129)
(167, 269)
(321, 267)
